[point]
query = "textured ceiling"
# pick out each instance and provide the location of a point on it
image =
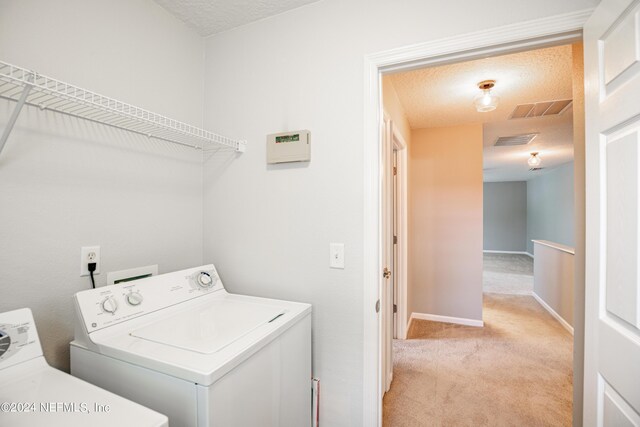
(554, 143)
(209, 17)
(443, 96)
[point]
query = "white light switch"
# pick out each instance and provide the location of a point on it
(336, 255)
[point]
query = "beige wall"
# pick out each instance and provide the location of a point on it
(445, 221)
(394, 109)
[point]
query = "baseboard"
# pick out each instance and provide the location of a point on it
(507, 252)
(551, 311)
(446, 319)
(409, 325)
(486, 251)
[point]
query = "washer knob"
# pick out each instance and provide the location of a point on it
(205, 280)
(110, 305)
(134, 298)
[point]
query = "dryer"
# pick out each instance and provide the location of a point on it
(35, 394)
(181, 344)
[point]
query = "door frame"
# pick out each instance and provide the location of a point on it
(395, 143)
(544, 32)
(401, 216)
(386, 305)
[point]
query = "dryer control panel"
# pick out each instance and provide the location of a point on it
(109, 305)
(19, 340)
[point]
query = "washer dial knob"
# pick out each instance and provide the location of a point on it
(204, 280)
(5, 342)
(110, 305)
(134, 298)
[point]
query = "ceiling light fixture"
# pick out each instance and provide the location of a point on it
(486, 102)
(534, 161)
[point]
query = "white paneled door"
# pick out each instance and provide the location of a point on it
(612, 315)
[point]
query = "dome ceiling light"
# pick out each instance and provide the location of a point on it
(486, 102)
(534, 161)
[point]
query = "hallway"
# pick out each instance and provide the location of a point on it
(516, 371)
(507, 273)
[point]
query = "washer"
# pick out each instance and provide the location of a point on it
(35, 394)
(181, 344)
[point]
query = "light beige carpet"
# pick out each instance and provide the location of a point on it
(507, 274)
(516, 371)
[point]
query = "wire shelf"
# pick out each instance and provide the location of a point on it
(31, 88)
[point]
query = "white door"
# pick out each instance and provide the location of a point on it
(612, 311)
(396, 233)
(387, 256)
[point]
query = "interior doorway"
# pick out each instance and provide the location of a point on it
(394, 194)
(400, 231)
(571, 37)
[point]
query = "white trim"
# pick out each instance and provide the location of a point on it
(372, 254)
(517, 37)
(558, 246)
(387, 292)
(398, 140)
(447, 319)
(505, 252)
(403, 233)
(551, 30)
(551, 311)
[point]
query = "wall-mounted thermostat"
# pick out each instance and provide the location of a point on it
(289, 147)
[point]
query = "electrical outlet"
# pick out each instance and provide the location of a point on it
(89, 254)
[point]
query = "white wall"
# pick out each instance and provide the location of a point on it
(65, 183)
(268, 228)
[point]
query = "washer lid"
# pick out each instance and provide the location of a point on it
(211, 327)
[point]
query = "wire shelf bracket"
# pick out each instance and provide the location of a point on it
(14, 115)
(27, 87)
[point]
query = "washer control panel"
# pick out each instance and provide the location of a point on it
(18, 338)
(134, 298)
(204, 279)
(109, 305)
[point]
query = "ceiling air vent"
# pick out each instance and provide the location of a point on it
(507, 141)
(539, 109)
